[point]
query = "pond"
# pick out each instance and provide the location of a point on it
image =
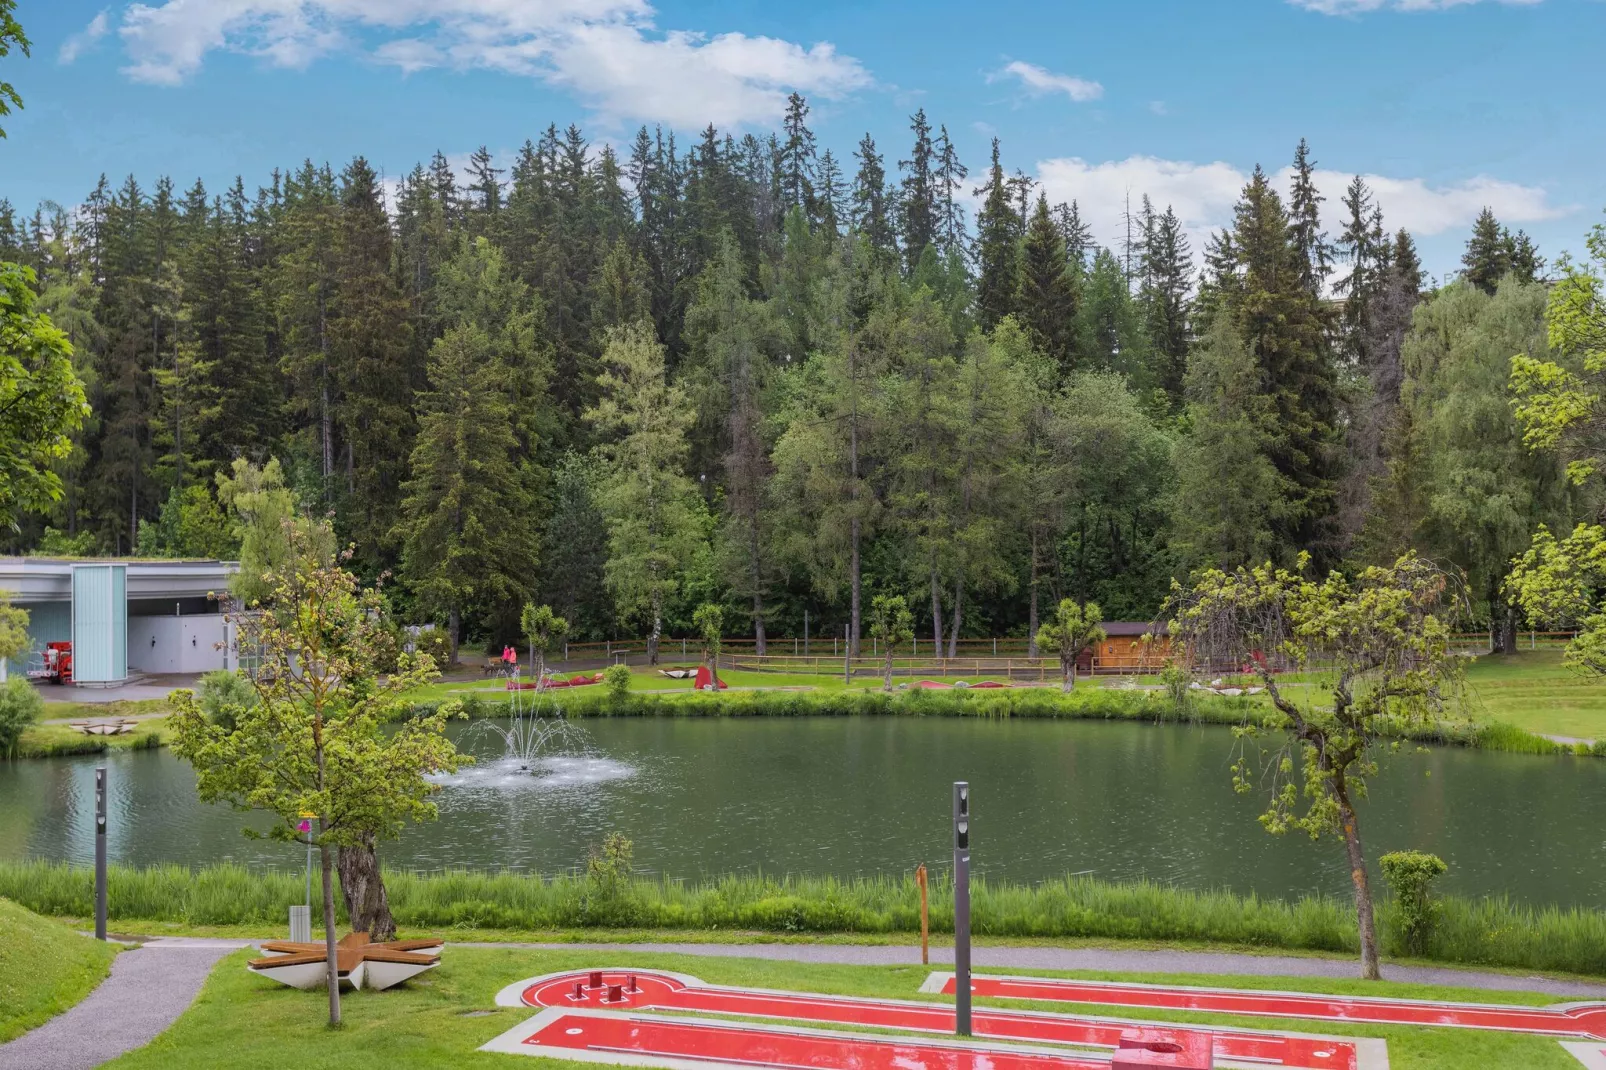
(852, 796)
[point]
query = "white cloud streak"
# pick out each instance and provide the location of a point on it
(609, 52)
(1203, 196)
(1039, 81)
(84, 39)
(1361, 7)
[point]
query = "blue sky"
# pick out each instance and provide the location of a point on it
(1450, 104)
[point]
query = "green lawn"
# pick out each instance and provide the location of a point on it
(441, 1018)
(1533, 690)
(45, 968)
(54, 740)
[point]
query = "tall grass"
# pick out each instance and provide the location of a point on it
(1488, 932)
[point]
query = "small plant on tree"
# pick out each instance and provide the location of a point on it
(544, 631)
(1411, 874)
(316, 741)
(709, 620)
(1073, 629)
(1381, 641)
(891, 626)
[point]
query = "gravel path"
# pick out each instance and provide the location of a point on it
(1092, 958)
(149, 987)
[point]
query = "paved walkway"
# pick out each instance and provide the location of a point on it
(1093, 958)
(148, 988)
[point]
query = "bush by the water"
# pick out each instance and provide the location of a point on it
(1485, 932)
(1410, 875)
(223, 694)
(20, 706)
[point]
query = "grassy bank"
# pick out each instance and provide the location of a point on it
(44, 968)
(59, 740)
(1490, 932)
(1091, 701)
(439, 1019)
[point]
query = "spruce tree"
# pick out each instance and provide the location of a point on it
(997, 248)
(464, 528)
(1048, 298)
(917, 203)
(1305, 223)
(950, 178)
(1362, 247)
(1168, 268)
(830, 195)
(1523, 256)
(872, 217)
(370, 346)
(797, 164)
(1488, 255)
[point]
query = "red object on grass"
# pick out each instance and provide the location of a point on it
(1565, 1019)
(932, 685)
(989, 684)
(675, 992)
(704, 678)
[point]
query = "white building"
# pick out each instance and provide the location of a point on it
(123, 617)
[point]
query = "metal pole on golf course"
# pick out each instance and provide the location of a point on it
(962, 908)
(100, 852)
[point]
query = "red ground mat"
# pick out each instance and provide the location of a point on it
(1560, 1020)
(696, 1044)
(656, 990)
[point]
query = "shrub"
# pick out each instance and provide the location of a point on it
(20, 706)
(223, 695)
(436, 644)
(616, 678)
(1410, 874)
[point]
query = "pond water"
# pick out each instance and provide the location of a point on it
(851, 796)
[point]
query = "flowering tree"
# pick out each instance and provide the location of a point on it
(316, 741)
(1381, 642)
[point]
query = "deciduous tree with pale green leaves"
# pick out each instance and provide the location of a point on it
(1075, 627)
(318, 740)
(543, 630)
(1380, 642)
(709, 620)
(891, 626)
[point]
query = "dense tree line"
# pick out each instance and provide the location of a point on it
(730, 370)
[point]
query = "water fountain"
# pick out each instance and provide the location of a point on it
(541, 749)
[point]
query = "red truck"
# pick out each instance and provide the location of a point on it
(58, 664)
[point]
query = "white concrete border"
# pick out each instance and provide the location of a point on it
(1591, 1053)
(1371, 1053)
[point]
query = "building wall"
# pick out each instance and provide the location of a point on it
(100, 623)
(176, 644)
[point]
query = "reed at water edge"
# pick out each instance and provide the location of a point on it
(1484, 932)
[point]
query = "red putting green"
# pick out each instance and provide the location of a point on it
(600, 1012)
(1561, 1020)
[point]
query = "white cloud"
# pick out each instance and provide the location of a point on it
(1203, 196)
(1357, 7)
(1039, 81)
(608, 51)
(84, 39)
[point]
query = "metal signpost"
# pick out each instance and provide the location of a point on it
(962, 908)
(100, 852)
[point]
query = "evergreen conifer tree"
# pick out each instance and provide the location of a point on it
(1305, 223)
(998, 231)
(1048, 297)
(918, 202)
(1488, 255)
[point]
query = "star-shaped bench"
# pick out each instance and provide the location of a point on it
(359, 961)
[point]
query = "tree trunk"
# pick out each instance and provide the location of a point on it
(538, 666)
(959, 614)
(853, 565)
(1031, 612)
(657, 626)
(936, 615)
(759, 647)
(363, 886)
(1363, 889)
(1068, 667)
(333, 972)
(453, 623)
(886, 679)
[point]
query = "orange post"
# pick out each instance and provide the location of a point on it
(925, 917)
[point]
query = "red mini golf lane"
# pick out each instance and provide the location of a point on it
(651, 990)
(1561, 1020)
(692, 1044)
